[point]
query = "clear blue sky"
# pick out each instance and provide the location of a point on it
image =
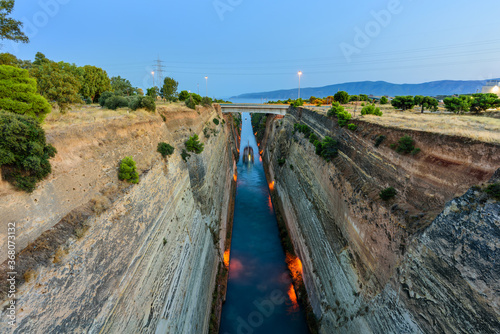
(248, 46)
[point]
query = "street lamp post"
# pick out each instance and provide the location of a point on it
(300, 74)
(153, 73)
(206, 91)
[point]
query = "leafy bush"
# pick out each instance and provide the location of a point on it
(352, 127)
(18, 93)
(302, 128)
(298, 103)
(379, 140)
(128, 170)
(216, 121)
(206, 101)
(313, 138)
(388, 193)
(193, 144)
(341, 97)
(281, 161)
(165, 149)
(24, 153)
(406, 144)
(183, 95)
(371, 110)
(115, 102)
(190, 103)
(329, 148)
(197, 98)
(342, 115)
(104, 96)
(415, 151)
(494, 190)
(146, 102)
(384, 100)
(185, 155)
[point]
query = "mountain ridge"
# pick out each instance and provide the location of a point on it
(376, 88)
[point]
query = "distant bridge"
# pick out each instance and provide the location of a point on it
(277, 109)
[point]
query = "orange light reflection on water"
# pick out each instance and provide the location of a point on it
(293, 298)
(226, 258)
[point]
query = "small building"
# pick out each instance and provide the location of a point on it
(492, 86)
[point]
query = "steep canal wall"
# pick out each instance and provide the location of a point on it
(101, 256)
(423, 262)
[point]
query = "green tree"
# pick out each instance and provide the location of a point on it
(169, 89)
(364, 97)
(371, 110)
(403, 102)
(165, 149)
(384, 100)
(122, 86)
(183, 95)
(18, 93)
(153, 92)
(24, 153)
(95, 81)
(482, 102)
(57, 82)
(193, 144)
(10, 29)
(341, 97)
(426, 102)
(128, 170)
(190, 103)
(458, 104)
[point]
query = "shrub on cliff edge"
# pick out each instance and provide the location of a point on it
(388, 193)
(128, 170)
(165, 149)
(193, 145)
(24, 153)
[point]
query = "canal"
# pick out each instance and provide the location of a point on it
(260, 295)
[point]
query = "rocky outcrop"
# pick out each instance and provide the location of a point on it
(389, 267)
(148, 263)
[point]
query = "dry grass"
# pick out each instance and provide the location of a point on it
(486, 129)
(92, 114)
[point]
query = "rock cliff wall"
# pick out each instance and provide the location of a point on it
(147, 262)
(389, 267)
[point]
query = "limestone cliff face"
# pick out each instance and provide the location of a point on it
(377, 267)
(148, 263)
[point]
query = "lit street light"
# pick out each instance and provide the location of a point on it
(206, 92)
(300, 73)
(153, 73)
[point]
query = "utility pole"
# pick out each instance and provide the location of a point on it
(158, 70)
(198, 89)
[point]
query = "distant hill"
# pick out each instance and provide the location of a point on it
(376, 88)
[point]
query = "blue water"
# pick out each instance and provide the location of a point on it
(259, 286)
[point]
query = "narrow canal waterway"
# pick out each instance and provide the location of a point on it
(260, 295)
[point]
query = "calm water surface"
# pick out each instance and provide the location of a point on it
(260, 296)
